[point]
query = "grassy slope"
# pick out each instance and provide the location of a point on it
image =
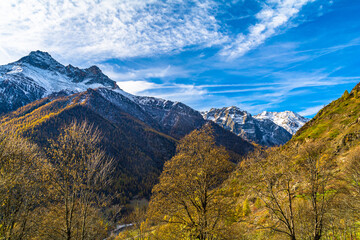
(337, 125)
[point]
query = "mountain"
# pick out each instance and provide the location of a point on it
(289, 120)
(38, 75)
(139, 133)
(337, 125)
(176, 118)
(261, 131)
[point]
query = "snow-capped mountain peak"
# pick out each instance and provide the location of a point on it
(41, 60)
(39, 75)
(289, 120)
(243, 124)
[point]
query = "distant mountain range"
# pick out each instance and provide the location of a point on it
(267, 128)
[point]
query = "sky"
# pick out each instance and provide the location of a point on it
(272, 55)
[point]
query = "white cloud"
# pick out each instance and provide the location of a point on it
(274, 14)
(311, 110)
(88, 29)
(141, 87)
(175, 92)
(144, 73)
(136, 87)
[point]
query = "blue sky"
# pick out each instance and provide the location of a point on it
(272, 55)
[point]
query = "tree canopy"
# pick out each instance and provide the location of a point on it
(187, 199)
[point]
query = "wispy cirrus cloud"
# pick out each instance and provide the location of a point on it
(137, 87)
(274, 14)
(162, 72)
(311, 110)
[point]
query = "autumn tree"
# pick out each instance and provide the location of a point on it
(78, 173)
(344, 219)
(268, 176)
(318, 187)
(352, 177)
(21, 185)
(187, 199)
(297, 187)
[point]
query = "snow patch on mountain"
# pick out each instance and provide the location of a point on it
(15, 69)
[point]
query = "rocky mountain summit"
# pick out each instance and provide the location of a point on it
(289, 120)
(267, 128)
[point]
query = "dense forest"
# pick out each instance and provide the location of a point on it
(307, 189)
